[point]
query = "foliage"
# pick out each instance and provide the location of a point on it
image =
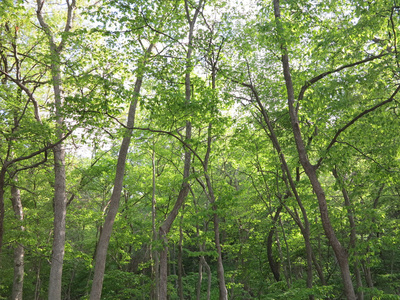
(345, 68)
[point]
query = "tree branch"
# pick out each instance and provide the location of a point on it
(323, 75)
(359, 116)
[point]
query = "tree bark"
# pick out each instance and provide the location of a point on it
(105, 235)
(60, 200)
(19, 251)
(202, 260)
(339, 250)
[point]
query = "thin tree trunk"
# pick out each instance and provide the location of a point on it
(105, 235)
(2, 183)
(340, 251)
(180, 264)
(166, 226)
(291, 187)
(202, 260)
(199, 281)
(272, 263)
(19, 251)
(353, 237)
(289, 273)
(292, 190)
(223, 292)
(38, 283)
(208, 190)
(155, 254)
(319, 270)
(368, 274)
(60, 200)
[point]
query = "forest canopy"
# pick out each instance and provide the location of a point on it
(199, 149)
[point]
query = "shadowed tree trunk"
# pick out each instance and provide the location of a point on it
(272, 263)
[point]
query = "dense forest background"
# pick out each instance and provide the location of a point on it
(199, 149)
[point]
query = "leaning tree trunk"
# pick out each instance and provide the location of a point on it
(292, 190)
(339, 250)
(105, 235)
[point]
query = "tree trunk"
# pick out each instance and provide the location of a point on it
(166, 226)
(60, 211)
(19, 251)
(180, 264)
(272, 263)
(38, 283)
(202, 260)
(340, 251)
(223, 292)
(105, 235)
(60, 200)
(2, 183)
(199, 281)
(353, 236)
(289, 263)
(154, 253)
(291, 188)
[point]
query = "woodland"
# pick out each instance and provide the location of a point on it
(199, 149)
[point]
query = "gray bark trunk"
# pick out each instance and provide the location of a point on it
(60, 200)
(19, 251)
